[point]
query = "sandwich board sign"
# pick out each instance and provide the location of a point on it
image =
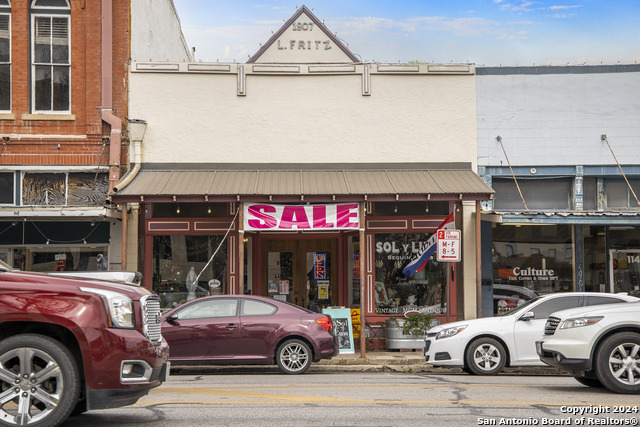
(448, 245)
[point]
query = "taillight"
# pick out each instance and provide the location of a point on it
(325, 323)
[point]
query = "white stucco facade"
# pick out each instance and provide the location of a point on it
(198, 117)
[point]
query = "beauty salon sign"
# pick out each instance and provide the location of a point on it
(268, 217)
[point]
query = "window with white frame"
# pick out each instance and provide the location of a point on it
(5, 56)
(51, 56)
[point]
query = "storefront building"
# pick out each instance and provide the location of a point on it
(313, 177)
(61, 141)
(560, 150)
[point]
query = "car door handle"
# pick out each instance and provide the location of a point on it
(231, 326)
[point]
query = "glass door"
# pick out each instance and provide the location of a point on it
(302, 272)
(624, 268)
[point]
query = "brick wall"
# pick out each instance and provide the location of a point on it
(75, 139)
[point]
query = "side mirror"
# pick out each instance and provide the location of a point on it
(171, 319)
(528, 316)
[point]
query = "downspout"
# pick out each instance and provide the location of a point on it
(115, 136)
(137, 161)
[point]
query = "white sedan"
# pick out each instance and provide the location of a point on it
(485, 346)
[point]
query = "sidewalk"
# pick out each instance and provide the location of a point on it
(375, 361)
(405, 361)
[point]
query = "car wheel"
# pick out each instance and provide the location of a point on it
(294, 357)
(485, 356)
(39, 381)
(589, 382)
(618, 362)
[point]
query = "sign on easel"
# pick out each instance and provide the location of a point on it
(342, 328)
(448, 245)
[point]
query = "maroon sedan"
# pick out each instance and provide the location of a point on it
(244, 330)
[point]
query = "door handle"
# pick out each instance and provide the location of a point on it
(231, 326)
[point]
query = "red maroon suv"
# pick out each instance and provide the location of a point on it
(68, 345)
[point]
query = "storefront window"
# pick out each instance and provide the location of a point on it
(48, 259)
(396, 293)
(177, 261)
(530, 259)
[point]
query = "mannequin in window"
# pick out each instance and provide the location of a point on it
(191, 284)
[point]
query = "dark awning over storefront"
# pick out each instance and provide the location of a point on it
(308, 184)
(615, 218)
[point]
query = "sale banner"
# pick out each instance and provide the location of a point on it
(270, 217)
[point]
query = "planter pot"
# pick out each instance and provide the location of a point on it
(397, 340)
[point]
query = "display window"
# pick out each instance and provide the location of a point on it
(530, 260)
(396, 293)
(177, 262)
(58, 258)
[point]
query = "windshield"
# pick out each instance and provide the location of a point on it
(522, 307)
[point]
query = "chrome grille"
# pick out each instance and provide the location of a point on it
(151, 323)
(551, 325)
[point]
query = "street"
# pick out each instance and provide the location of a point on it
(268, 398)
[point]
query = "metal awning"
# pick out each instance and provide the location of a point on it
(308, 185)
(610, 217)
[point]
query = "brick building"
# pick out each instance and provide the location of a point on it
(63, 110)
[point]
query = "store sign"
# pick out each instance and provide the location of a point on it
(531, 273)
(268, 217)
(320, 266)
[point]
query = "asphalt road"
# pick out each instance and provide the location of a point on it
(369, 399)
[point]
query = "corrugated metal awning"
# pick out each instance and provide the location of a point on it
(243, 184)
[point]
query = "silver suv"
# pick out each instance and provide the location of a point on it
(599, 346)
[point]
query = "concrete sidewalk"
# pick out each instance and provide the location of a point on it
(406, 361)
(375, 361)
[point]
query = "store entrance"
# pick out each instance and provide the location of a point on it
(625, 270)
(303, 272)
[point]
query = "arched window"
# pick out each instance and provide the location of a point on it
(50, 56)
(5, 56)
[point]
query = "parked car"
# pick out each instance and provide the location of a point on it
(599, 346)
(485, 346)
(241, 329)
(68, 345)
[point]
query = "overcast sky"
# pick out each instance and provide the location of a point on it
(484, 32)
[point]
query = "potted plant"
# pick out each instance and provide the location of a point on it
(416, 324)
(408, 333)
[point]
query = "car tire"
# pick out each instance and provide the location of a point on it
(468, 371)
(293, 357)
(589, 382)
(50, 374)
(618, 363)
(485, 356)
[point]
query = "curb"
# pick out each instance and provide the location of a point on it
(410, 368)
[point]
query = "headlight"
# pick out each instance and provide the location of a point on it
(579, 322)
(119, 307)
(449, 332)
